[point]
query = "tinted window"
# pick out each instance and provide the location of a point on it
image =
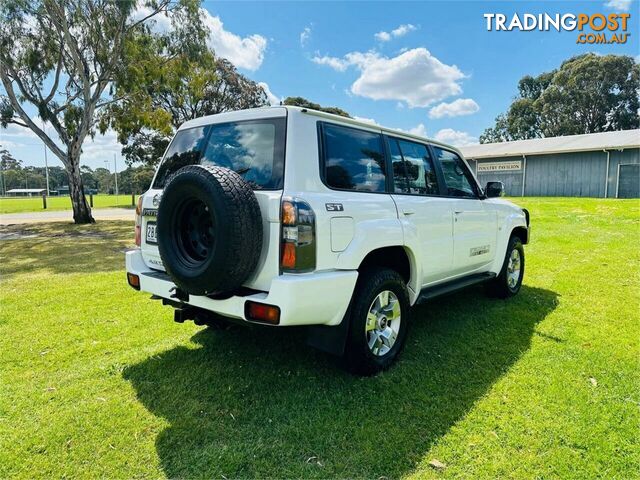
(419, 169)
(354, 159)
(184, 150)
(253, 149)
(457, 178)
(400, 181)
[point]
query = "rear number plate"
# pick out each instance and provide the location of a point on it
(151, 232)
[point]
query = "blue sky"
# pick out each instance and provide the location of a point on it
(430, 67)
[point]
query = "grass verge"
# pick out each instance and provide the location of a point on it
(34, 204)
(97, 381)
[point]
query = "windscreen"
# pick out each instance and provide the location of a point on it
(253, 149)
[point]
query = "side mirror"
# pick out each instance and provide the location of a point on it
(494, 189)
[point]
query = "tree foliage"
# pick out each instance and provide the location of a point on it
(64, 57)
(304, 103)
(589, 93)
(102, 180)
(161, 93)
(8, 161)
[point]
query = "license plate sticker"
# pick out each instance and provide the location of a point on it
(151, 233)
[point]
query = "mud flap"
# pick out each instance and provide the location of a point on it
(330, 339)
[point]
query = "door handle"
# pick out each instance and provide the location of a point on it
(458, 212)
(408, 212)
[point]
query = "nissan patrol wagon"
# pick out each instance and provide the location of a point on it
(286, 216)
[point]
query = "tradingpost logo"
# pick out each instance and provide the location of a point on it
(596, 28)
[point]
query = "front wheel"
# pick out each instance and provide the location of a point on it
(509, 281)
(379, 319)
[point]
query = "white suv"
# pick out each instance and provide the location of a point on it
(287, 216)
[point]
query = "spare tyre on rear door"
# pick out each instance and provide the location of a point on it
(209, 230)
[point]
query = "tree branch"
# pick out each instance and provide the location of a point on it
(15, 104)
(52, 92)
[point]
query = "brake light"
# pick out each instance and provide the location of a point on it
(139, 221)
(298, 245)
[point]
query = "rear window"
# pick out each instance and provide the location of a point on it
(353, 159)
(253, 149)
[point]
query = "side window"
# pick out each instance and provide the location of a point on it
(419, 167)
(354, 159)
(400, 182)
(457, 178)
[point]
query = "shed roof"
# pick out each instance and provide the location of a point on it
(621, 139)
(26, 190)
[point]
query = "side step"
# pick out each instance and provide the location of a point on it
(430, 293)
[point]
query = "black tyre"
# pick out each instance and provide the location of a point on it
(209, 230)
(379, 320)
(509, 281)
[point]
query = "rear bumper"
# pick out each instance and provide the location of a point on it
(304, 299)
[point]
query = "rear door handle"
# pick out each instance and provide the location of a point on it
(458, 212)
(408, 212)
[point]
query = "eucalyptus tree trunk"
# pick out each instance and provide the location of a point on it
(58, 58)
(81, 209)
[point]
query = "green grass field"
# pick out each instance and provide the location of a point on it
(34, 204)
(98, 381)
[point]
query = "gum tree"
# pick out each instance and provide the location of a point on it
(190, 84)
(60, 61)
(588, 94)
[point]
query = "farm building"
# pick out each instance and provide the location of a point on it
(592, 165)
(26, 192)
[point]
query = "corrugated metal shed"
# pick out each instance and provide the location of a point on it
(622, 139)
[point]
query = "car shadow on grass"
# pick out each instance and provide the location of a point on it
(258, 403)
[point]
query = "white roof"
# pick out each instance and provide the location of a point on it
(26, 190)
(281, 111)
(571, 143)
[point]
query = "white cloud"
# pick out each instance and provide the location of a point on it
(10, 144)
(247, 52)
(273, 99)
(336, 63)
(623, 5)
(364, 119)
(18, 131)
(455, 137)
(159, 23)
(305, 35)
(419, 130)
(101, 148)
(395, 33)
(459, 107)
(415, 77)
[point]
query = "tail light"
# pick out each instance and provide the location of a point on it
(298, 236)
(139, 221)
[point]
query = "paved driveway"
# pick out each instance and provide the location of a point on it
(65, 216)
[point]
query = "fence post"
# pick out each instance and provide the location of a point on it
(44, 201)
(133, 199)
(91, 199)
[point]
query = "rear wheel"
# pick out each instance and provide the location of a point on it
(379, 319)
